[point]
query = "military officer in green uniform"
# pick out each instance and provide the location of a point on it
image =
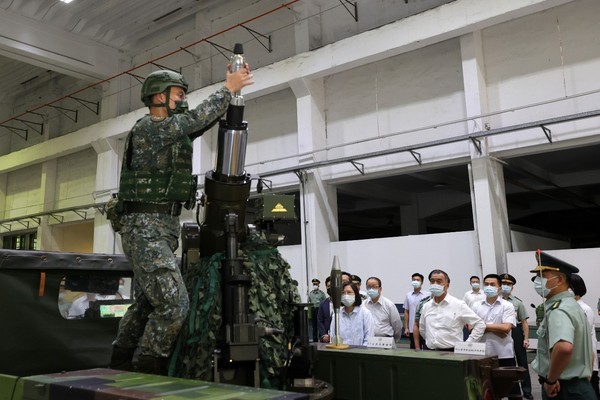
(315, 297)
(563, 360)
(156, 181)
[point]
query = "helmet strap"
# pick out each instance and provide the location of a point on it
(168, 101)
(165, 104)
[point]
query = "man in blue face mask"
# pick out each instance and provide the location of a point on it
(411, 301)
(563, 360)
(499, 318)
(475, 294)
(385, 314)
(443, 317)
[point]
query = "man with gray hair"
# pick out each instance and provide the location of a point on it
(443, 317)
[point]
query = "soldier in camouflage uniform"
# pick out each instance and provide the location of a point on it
(156, 180)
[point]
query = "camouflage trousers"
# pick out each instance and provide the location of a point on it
(161, 301)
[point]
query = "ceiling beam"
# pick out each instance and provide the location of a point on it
(41, 45)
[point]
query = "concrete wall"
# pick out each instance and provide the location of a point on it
(399, 85)
(23, 193)
(394, 260)
(75, 179)
(75, 237)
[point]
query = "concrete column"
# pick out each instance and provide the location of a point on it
(487, 182)
(491, 217)
(318, 201)
(318, 213)
(308, 34)
(45, 240)
(202, 160)
(107, 182)
(3, 180)
(476, 104)
(310, 99)
(410, 220)
(201, 54)
(114, 101)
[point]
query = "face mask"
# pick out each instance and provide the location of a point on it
(348, 299)
(181, 106)
(490, 291)
(436, 290)
(315, 287)
(475, 286)
(539, 285)
(372, 293)
(416, 284)
(506, 289)
(329, 292)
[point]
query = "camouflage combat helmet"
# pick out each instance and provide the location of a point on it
(159, 82)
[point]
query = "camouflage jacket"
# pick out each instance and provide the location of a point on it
(157, 163)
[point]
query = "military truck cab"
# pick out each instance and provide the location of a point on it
(60, 310)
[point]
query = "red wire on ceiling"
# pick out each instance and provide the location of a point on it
(127, 72)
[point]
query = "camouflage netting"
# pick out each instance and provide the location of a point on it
(269, 298)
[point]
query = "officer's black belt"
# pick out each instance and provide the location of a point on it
(173, 209)
(543, 380)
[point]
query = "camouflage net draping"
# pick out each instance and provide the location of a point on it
(269, 298)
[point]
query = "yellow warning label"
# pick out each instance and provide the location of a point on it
(279, 208)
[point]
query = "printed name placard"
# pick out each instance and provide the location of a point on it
(477, 349)
(381, 342)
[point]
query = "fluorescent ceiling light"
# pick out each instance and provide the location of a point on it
(66, 1)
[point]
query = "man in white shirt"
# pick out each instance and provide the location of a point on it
(385, 314)
(411, 301)
(475, 294)
(444, 316)
(579, 290)
(499, 317)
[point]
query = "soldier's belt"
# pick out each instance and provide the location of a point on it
(174, 209)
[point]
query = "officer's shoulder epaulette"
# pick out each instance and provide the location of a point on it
(555, 305)
(518, 299)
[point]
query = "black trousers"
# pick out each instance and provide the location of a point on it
(573, 389)
(521, 356)
(595, 381)
(313, 320)
(412, 341)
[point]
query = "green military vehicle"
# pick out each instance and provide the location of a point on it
(60, 313)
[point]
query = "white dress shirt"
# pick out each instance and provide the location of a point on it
(589, 313)
(386, 317)
(356, 327)
(499, 312)
(411, 301)
(471, 297)
(441, 324)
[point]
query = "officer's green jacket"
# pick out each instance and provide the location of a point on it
(564, 320)
(520, 311)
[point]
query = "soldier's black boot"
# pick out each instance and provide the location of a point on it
(152, 365)
(121, 358)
